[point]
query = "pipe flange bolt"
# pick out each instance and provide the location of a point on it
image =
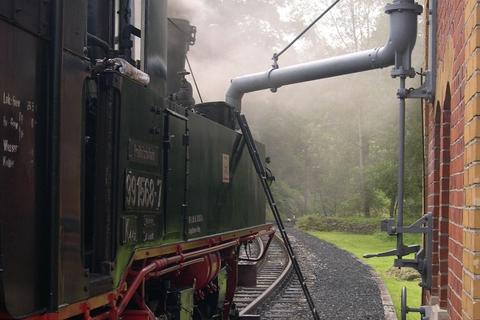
(403, 6)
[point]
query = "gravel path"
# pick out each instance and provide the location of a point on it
(341, 286)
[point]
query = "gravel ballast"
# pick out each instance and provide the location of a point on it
(341, 286)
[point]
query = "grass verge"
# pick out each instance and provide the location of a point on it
(360, 244)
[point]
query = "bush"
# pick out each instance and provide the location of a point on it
(341, 224)
(406, 274)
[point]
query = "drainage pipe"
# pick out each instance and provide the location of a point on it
(432, 46)
(397, 51)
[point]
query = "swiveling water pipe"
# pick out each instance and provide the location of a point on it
(397, 52)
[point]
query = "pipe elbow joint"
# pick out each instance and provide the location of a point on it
(403, 34)
(234, 96)
(249, 83)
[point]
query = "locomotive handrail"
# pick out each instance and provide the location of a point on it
(94, 40)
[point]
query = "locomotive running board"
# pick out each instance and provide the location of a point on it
(263, 176)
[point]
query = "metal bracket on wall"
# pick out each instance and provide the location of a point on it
(422, 261)
(405, 309)
(425, 91)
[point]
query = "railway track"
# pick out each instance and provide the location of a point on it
(341, 286)
(289, 301)
(272, 273)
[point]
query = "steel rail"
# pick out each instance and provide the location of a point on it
(263, 250)
(268, 292)
(263, 177)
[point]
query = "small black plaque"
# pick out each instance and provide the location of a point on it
(129, 229)
(194, 225)
(142, 152)
(150, 227)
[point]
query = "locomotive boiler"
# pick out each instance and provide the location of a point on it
(120, 197)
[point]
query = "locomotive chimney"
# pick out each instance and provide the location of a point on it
(181, 35)
(156, 45)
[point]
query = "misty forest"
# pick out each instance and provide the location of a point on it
(332, 143)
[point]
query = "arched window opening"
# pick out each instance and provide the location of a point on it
(434, 201)
(444, 199)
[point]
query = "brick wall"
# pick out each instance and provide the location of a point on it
(453, 161)
(471, 119)
(445, 165)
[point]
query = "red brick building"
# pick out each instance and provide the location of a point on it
(452, 168)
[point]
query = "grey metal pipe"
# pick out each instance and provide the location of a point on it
(401, 168)
(432, 50)
(397, 51)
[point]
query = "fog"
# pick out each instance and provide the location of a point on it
(332, 142)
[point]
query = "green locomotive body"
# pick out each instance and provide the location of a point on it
(104, 174)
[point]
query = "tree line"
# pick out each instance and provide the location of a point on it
(333, 143)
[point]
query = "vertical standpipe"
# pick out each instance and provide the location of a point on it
(402, 69)
(401, 167)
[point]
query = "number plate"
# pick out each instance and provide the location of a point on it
(143, 191)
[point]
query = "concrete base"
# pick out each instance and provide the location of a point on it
(435, 313)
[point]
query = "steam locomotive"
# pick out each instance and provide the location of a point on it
(120, 198)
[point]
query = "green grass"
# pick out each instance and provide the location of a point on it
(360, 244)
